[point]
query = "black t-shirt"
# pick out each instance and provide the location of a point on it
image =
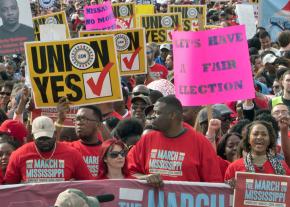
(22, 31)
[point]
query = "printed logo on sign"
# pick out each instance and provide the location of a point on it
(124, 11)
(82, 56)
(50, 20)
(46, 4)
(166, 21)
(192, 13)
(122, 42)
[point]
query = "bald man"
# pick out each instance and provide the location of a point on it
(11, 28)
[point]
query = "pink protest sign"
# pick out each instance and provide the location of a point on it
(212, 66)
(100, 17)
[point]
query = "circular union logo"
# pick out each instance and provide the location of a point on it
(192, 13)
(82, 56)
(50, 20)
(166, 21)
(122, 42)
(46, 4)
(124, 11)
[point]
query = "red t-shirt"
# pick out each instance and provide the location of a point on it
(224, 164)
(26, 165)
(90, 153)
(239, 165)
(1, 177)
(189, 157)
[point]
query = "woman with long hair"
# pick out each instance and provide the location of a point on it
(259, 144)
(113, 160)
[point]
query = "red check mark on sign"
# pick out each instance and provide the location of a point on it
(128, 23)
(170, 35)
(97, 88)
(129, 63)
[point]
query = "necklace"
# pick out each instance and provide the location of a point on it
(53, 151)
(259, 160)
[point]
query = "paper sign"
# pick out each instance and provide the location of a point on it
(127, 193)
(84, 69)
(125, 15)
(246, 16)
(54, 18)
(130, 44)
(11, 40)
(255, 189)
(274, 16)
(100, 17)
(190, 15)
(52, 32)
(208, 69)
(158, 27)
(53, 114)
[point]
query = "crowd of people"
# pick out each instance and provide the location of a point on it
(150, 135)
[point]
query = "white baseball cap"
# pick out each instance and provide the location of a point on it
(43, 126)
(269, 58)
(165, 46)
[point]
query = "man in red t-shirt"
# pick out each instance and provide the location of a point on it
(87, 122)
(155, 71)
(173, 152)
(45, 159)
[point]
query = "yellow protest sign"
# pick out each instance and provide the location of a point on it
(158, 27)
(83, 69)
(125, 15)
(54, 18)
(143, 9)
(190, 15)
(131, 46)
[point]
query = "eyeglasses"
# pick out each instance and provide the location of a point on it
(141, 106)
(149, 52)
(283, 113)
(5, 93)
(140, 93)
(83, 119)
(115, 154)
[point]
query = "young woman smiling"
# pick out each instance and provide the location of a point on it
(259, 143)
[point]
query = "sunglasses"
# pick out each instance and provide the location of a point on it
(115, 154)
(5, 93)
(140, 93)
(149, 52)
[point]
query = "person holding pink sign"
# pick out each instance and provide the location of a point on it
(259, 143)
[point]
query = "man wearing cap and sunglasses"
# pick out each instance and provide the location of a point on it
(45, 159)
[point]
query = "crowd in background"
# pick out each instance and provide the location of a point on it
(149, 134)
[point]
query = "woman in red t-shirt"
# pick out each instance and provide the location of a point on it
(113, 160)
(259, 142)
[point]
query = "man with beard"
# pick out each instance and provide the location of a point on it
(45, 159)
(174, 152)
